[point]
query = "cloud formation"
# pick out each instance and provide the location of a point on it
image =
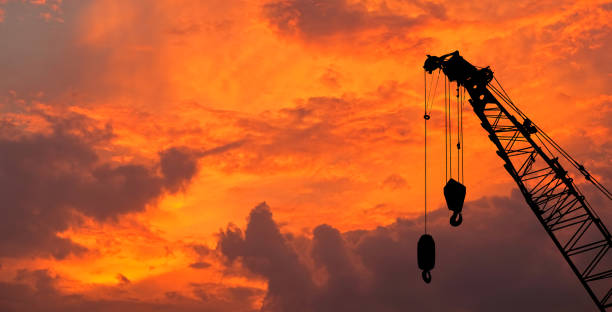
(39, 290)
(264, 251)
(499, 259)
(49, 180)
(313, 106)
(320, 19)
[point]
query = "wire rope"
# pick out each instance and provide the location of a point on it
(544, 138)
(450, 136)
(447, 128)
(458, 136)
(425, 118)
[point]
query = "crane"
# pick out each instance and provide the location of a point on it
(572, 224)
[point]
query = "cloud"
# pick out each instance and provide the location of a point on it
(201, 250)
(49, 180)
(499, 259)
(437, 10)
(395, 181)
(321, 20)
(323, 128)
(178, 166)
(122, 279)
(199, 265)
(39, 290)
(150, 68)
(264, 251)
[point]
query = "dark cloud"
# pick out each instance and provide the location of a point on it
(42, 280)
(221, 149)
(264, 251)
(319, 19)
(343, 279)
(200, 250)
(199, 265)
(49, 180)
(243, 294)
(178, 165)
(500, 259)
(38, 291)
(122, 279)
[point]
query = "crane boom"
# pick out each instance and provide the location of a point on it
(569, 220)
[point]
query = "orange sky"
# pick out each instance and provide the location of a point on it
(314, 107)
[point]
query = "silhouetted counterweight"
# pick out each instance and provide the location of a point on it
(454, 193)
(426, 252)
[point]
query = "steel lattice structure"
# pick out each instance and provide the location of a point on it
(570, 221)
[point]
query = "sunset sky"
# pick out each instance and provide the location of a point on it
(247, 155)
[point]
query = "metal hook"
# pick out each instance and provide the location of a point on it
(426, 276)
(456, 219)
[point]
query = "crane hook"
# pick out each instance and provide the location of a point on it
(456, 219)
(426, 276)
(454, 193)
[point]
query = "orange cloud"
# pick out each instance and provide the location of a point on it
(212, 107)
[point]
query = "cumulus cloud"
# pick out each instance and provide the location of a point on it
(264, 251)
(500, 259)
(49, 180)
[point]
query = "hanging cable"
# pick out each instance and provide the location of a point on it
(425, 118)
(450, 135)
(432, 92)
(545, 138)
(426, 245)
(454, 191)
(462, 142)
(458, 136)
(445, 135)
